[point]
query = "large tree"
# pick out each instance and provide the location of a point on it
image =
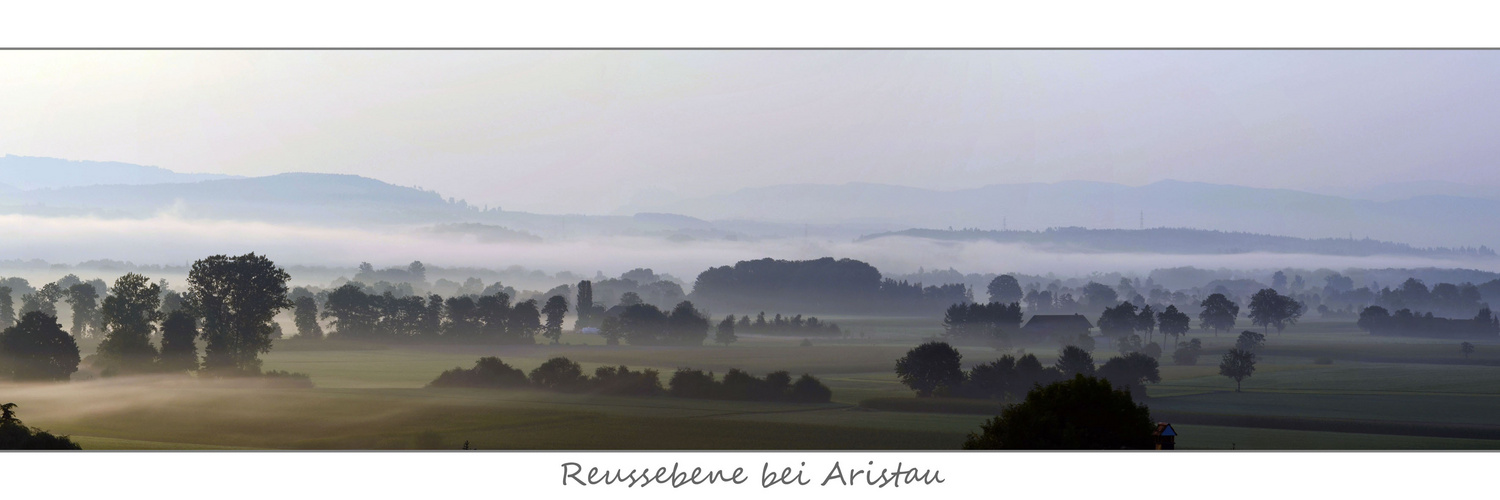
(1270, 309)
(37, 348)
(1249, 341)
(1131, 372)
(555, 308)
(1005, 289)
(724, 334)
(930, 366)
(306, 318)
(85, 301)
(179, 347)
(1238, 365)
(1173, 322)
(1098, 296)
(7, 308)
(1073, 360)
(525, 321)
(1082, 413)
(1219, 313)
(1146, 321)
(130, 313)
(586, 312)
(238, 298)
(686, 325)
(1119, 321)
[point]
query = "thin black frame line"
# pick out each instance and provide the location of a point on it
(904, 49)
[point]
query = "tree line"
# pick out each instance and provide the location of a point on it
(229, 304)
(563, 375)
(935, 369)
(354, 313)
(843, 285)
(1378, 321)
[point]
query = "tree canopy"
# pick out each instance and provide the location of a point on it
(37, 348)
(238, 297)
(1082, 413)
(930, 366)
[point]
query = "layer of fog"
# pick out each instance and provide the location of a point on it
(176, 241)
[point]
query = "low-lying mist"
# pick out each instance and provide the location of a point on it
(171, 239)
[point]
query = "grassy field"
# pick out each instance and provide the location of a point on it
(1379, 393)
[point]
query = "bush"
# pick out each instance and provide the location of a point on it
(620, 381)
(488, 372)
(741, 386)
(690, 383)
(16, 436)
(1187, 352)
(1153, 349)
(278, 378)
(809, 389)
(806, 343)
(559, 374)
(1323, 360)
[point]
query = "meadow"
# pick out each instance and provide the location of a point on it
(1378, 393)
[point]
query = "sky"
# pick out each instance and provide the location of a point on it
(590, 131)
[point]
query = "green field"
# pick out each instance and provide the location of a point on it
(1378, 394)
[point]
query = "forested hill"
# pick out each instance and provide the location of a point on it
(1184, 241)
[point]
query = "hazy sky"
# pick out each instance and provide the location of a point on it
(587, 131)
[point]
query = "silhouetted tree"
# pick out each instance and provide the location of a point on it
(179, 349)
(555, 309)
(1187, 352)
(686, 326)
(929, 367)
(525, 321)
(1219, 312)
(238, 298)
(7, 308)
(808, 389)
(1271, 309)
(559, 374)
(1131, 372)
(306, 318)
(1146, 321)
(85, 301)
(488, 372)
(1082, 413)
(37, 348)
(1249, 341)
(1173, 322)
(130, 312)
(1466, 348)
(628, 299)
(1098, 296)
(588, 313)
(1119, 321)
(1072, 360)
(15, 435)
(724, 334)
(1237, 364)
(1004, 289)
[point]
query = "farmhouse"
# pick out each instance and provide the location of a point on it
(1165, 436)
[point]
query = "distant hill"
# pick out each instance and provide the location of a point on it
(29, 172)
(1418, 220)
(295, 197)
(1184, 242)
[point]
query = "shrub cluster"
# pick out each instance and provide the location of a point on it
(561, 374)
(557, 374)
(741, 386)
